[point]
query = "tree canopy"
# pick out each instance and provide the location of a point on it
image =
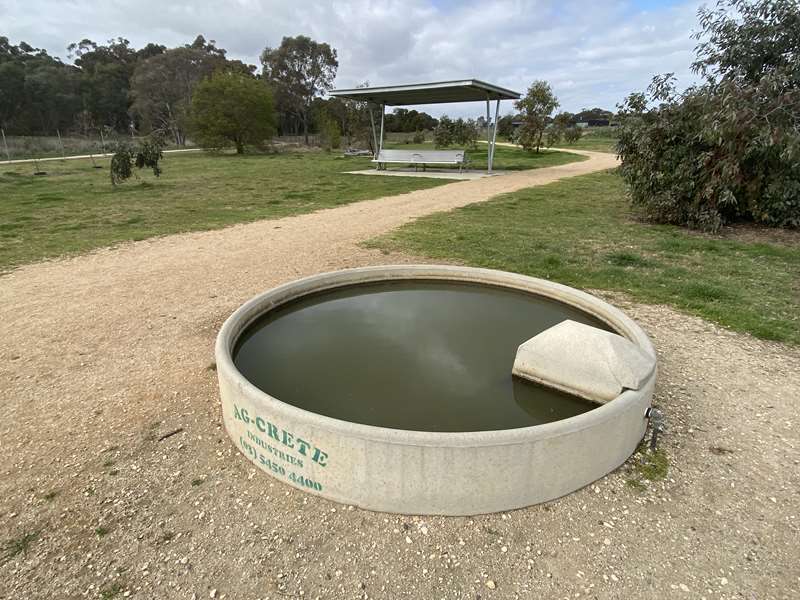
(162, 85)
(109, 86)
(299, 70)
(535, 109)
(232, 108)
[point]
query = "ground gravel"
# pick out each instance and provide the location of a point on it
(105, 354)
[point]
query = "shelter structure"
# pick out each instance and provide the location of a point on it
(465, 90)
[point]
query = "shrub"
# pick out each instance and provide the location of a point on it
(121, 164)
(572, 135)
(727, 149)
(330, 135)
(443, 134)
(147, 154)
(419, 137)
(465, 133)
(459, 132)
(553, 137)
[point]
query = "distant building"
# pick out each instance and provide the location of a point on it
(598, 122)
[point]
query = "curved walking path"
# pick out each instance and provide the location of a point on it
(105, 353)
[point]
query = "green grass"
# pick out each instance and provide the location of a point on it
(74, 208)
(646, 466)
(598, 139)
(505, 158)
(581, 232)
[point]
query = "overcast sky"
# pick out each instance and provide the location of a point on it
(592, 53)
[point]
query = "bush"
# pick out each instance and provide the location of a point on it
(329, 132)
(572, 135)
(727, 149)
(148, 154)
(465, 133)
(459, 132)
(553, 137)
(121, 164)
(443, 134)
(419, 137)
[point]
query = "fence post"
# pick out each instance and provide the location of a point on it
(60, 141)
(5, 144)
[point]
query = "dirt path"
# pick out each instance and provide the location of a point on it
(103, 354)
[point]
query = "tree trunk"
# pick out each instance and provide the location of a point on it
(239, 147)
(305, 127)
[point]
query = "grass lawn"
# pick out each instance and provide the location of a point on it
(582, 232)
(74, 208)
(505, 157)
(598, 141)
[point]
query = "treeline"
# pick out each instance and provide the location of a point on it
(116, 87)
(112, 86)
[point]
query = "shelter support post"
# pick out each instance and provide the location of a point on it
(374, 136)
(494, 133)
(488, 137)
(383, 115)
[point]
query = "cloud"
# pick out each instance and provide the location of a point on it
(593, 55)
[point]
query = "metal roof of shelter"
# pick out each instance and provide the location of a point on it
(465, 90)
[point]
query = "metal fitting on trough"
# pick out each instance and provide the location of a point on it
(657, 425)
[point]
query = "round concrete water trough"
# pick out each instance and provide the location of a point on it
(420, 470)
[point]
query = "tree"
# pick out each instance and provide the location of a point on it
(465, 133)
(572, 135)
(592, 114)
(231, 108)
(162, 85)
(329, 132)
(105, 73)
(38, 93)
(443, 134)
(12, 91)
(561, 128)
(535, 109)
(353, 117)
(505, 127)
(728, 148)
(299, 70)
(404, 120)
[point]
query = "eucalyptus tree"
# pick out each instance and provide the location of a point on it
(299, 70)
(162, 86)
(535, 109)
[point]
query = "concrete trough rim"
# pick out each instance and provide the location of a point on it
(275, 297)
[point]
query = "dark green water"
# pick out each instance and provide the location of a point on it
(426, 356)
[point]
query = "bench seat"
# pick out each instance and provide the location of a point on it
(421, 158)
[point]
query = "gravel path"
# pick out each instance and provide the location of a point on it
(104, 354)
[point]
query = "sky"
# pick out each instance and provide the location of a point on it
(592, 53)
